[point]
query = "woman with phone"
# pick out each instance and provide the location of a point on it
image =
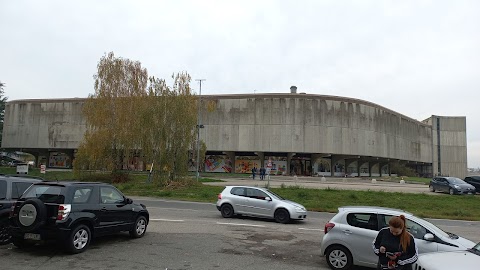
(395, 246)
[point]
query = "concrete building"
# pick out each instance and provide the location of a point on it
(288, 133)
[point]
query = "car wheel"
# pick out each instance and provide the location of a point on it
(339, 258)
(432, 189)
(451, 191)
(140, 227)
(5, 236)
(78, 240)
(282, 216)
(227, 210)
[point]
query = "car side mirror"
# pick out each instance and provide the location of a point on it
(268, 199)
(428, 237)
(128, 201)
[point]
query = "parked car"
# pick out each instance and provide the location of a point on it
(11, 188)
(462, 259)
(474, 181)
(350, 233)
(74, 212)
(261, 202)
(451, 185)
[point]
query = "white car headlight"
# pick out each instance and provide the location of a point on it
(456, 186)
(300, 209)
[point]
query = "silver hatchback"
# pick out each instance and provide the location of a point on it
(260, 202)
(350, 233)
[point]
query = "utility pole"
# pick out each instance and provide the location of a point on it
(199, 120)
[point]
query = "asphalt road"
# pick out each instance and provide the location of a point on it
(186, 235)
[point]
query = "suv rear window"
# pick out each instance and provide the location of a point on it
(46, 193)
(3, 189)
(18, 188)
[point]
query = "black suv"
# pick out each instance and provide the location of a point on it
(74, 212)
(11, 188)
(474, 181)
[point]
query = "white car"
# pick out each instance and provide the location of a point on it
(260, 202)
(463, 259)
(350, 233)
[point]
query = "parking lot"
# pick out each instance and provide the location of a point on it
(184, 235)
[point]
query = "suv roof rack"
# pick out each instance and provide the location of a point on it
(24, 176)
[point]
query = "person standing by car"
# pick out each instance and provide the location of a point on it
(395, 246)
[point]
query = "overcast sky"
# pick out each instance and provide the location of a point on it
(419, 58)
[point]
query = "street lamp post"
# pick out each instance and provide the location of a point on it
(199, 120)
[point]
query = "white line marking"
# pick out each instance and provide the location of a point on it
(171, 220)
(240, 224)
(306, 229)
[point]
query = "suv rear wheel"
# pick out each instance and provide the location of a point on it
(339, 258)
(79, 239)
(140, 227)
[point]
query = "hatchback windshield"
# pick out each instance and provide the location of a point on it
(46, 193)
(456, 181)
(275, 195)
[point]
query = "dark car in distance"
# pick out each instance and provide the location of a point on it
(72, 213)
(11, 188)
(474, 181)
(451, 185)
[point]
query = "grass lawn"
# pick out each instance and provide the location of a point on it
(328, 200)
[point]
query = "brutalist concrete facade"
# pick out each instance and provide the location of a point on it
(351, 131)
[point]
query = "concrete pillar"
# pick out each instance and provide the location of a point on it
(261, 156)
(289, 162)
(335, 159)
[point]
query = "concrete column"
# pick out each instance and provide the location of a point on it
(332, 164)
(261, 156)
(289, 161)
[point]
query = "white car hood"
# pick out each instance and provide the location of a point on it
(464, 260)
(463, 243)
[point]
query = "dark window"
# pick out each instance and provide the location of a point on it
(363, 220)
(3, 189)
(45, 193)
(256, 194)
(110, 195)
(239, 191)
(18, 188)
(82, 195)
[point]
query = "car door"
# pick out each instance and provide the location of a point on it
(238, 199)
(257, 203)
(360, 235)
(418, 232)
(115, 213)
(444, 185)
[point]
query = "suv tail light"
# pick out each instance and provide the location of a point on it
(328, 227)
(63, 211)
(219, 196)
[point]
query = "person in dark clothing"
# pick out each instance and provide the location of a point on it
(395, 246)
(262, 173)
(254, 172)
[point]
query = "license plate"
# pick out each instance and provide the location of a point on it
(32, 236)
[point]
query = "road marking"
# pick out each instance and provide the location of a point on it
(306, 229)
(240, 224)
(171, 220)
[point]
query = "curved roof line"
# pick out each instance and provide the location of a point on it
(242, 96)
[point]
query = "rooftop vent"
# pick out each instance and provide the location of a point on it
(293, 89)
